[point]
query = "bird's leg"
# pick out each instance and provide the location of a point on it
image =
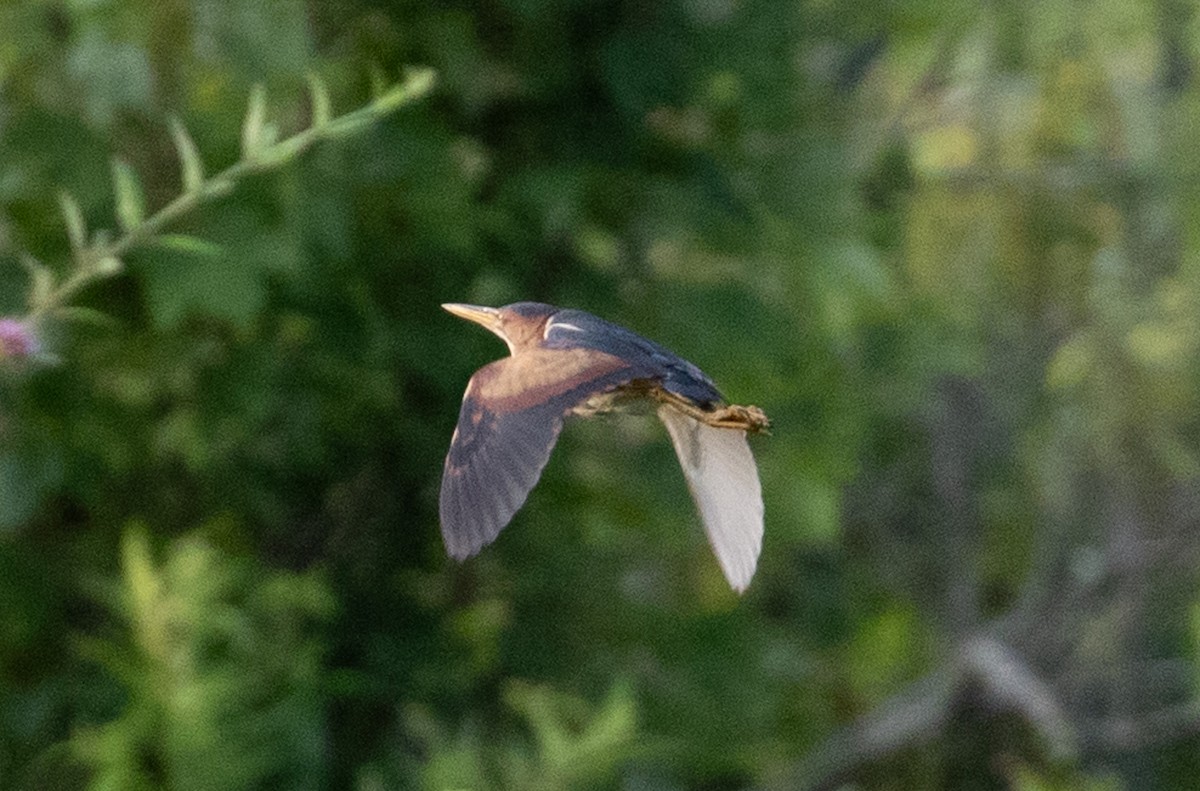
(750, 419)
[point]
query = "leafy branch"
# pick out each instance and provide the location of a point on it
(98, 255)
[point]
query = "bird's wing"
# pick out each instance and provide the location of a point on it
(511, 415)
(723, 479)
(673, 372)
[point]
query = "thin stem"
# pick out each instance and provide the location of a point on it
(101, 259)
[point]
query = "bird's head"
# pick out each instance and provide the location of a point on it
(520, 325)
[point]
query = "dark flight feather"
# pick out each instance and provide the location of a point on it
(510, 419)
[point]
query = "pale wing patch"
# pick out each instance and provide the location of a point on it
(550, 325)
(723, 479)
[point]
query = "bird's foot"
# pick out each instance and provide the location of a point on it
(750, 419)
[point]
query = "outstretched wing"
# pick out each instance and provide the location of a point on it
(511, 415)
(723, 479)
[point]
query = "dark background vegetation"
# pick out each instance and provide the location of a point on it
(950, 247)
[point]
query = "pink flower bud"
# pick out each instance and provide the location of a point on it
(17, 340)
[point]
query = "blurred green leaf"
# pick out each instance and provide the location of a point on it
(223, 654)
(191, 165)
(575, 744)
(257, 132)
(188, 245)
(319, 95)
(185, 279)
(131, 203)
(73, 217)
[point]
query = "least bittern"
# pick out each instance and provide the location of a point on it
(568, 362)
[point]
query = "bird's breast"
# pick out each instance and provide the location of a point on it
(619, 399)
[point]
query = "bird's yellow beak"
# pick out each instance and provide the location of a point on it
(487, 317)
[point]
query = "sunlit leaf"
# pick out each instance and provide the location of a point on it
(189, 245)
(81, 315)
(416, 83)
(254, 126)
(192, 167)
(73, 217)
(109, 265)
(321, 112)
(131, 205)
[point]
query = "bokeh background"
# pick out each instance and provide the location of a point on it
(949, 246)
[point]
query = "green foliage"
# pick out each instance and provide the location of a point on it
(220, 670)
(100, 258)
(948, 247)
(571, 744)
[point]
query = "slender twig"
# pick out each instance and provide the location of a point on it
(1013, 684)
(102, 258)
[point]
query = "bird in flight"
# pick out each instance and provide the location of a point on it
(567, 362)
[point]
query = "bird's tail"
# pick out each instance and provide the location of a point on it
(723, 479)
